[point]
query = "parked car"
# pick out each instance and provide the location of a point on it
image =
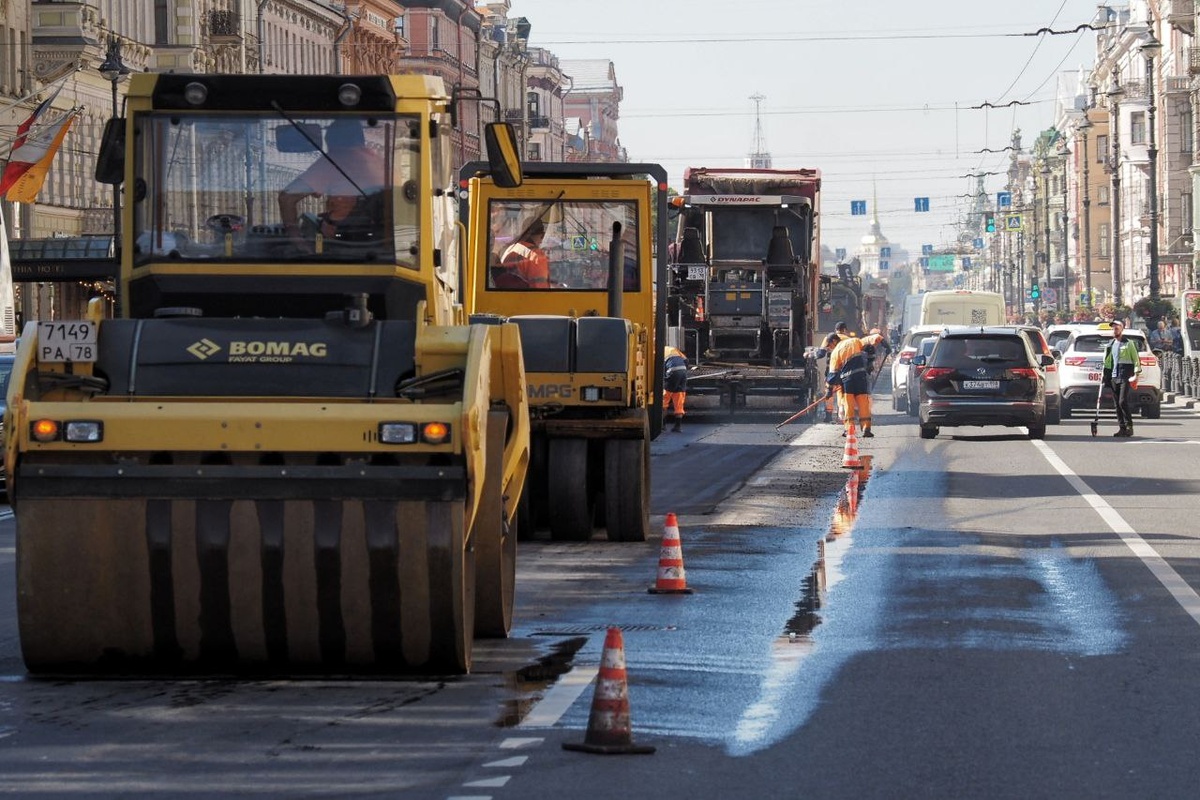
(1057, 335)
(983, 376)
(1083, 365)
(902, 358)
(1038, 342)
(912, 394)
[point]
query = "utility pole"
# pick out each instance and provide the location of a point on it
(760, 157)
(1115, 93)
(1084, 128)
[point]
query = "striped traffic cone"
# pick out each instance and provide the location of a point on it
(672, 579)
(850, 458)
(608, 730)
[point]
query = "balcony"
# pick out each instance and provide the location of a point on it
(1181, 16)
(224, 26)
(1193, 58)
(538, 123)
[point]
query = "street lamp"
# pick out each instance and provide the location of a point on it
(1046, 215)
(1150, 48)
(1083, 128)
(1064, 152)
(113, 68)
(1115, 93)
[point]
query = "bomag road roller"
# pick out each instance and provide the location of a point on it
(572, 257)
(287, 452)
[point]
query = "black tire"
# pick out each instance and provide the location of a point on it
(899, 403)
(912, 409)
(627, 489)
(494, 541)
(1152, 410)
(1054, 416)
(1064, 411)
(929, 431)
(1037, 431)
(571, 511)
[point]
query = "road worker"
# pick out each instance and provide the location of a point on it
(848, 369)
(675, 371)
(831, 341)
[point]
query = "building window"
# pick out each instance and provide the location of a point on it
(1137, 127)
(1186, 212)
(1102, 195)
(535, 151)
(1105, 240)
(1187, 129)
(1101, 148)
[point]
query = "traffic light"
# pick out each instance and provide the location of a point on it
(989, 222)
(1035, 291)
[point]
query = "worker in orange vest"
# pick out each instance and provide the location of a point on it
(831, 341)
(675, 373)
(848, 369)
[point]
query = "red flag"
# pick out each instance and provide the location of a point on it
(20, 158)
(27, 185)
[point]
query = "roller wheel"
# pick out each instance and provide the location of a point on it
(533, 499)
(494, 542)
(627, 489)
(570, 501)
(452, 589)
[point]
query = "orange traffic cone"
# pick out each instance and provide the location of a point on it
(671, 576)
(850, 459)
(608, 729)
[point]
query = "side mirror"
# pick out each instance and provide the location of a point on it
(1056, 354)
(504, 162)
(918, 361)
(1046, 360)
(110, 163)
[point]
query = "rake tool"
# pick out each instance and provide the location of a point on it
(802, 411)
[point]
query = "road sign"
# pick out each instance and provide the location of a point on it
(942, 263)
(1013, 222)
(926, 249)
(966, 262)
(858, 208)
(1004, 199)
(921, 203)
(978, 244)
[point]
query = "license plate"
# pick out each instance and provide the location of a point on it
(696, 273)
(71, 340)
(978, 385)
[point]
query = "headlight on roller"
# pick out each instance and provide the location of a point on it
(397, 432)
(83, 431)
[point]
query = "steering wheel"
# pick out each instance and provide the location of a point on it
(225, 223)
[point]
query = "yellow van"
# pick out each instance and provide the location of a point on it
(962, 307)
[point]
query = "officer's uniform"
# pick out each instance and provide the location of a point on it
(1121, 365)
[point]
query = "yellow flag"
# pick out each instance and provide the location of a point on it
(26, 188)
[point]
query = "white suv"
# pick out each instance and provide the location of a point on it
(901, 358)
(1083, 367)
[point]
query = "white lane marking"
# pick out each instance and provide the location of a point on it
(505, 763)
(489, 783)
(1163, 441)
(515, 742)
(559, 698)
(1184, 594)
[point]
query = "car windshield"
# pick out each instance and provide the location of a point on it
(966, 352)
(218, 187)
(1096, 344)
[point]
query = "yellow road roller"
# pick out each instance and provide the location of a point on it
(279, 448)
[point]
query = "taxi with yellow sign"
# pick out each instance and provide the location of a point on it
(1083, 366)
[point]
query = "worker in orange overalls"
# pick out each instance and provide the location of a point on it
(848, 369)
(675, 371)
(831, 341)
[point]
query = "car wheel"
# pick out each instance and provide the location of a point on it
(1064, 411)
(913, 407)
(898, 403)
(929, 432)
(1037, 431)
(1152, 410)
(1054, 417)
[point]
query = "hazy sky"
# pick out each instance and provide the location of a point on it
(867, 91)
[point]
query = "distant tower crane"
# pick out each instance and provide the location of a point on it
(759, 158)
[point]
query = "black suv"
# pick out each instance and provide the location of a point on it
(983, 376)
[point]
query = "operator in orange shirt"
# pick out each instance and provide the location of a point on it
(848, 369)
